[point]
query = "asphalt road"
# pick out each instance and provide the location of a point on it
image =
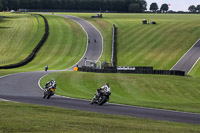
(23, 87)
(94, 43)
(189, 59)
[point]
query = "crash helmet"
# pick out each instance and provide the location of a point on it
(107, 84)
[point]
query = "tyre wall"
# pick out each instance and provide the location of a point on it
(138, 70)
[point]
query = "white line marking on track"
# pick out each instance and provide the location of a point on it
(123, 105)
(185, 54)
(194, 65)
(87, 36)
(116, 103)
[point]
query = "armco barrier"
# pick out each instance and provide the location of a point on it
(139, 70)
(35, 50)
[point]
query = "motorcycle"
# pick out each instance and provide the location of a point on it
(49, 89)
(102, 98)
(49, 92)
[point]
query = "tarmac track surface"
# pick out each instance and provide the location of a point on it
(189, 59)
(23, 87)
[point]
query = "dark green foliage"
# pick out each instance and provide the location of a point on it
(153, 7)
(198, 8)
(192, 8)
(164, 8)
(80, 5)
(1, 6)
(134, 8)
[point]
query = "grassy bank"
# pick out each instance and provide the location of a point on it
(105, 29)
(17, 117)
(160, 45)
(19, 33)
(156, 91)
(64, 47)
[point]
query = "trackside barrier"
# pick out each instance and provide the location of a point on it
(138, 70)
(114, 47)
(160, 72)
(35, 50)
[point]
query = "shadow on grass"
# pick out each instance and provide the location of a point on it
(5, 27)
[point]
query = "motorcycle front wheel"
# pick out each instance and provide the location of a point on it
(102, 100)
(49, 95)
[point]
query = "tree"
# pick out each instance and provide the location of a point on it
(153, 7)
(192, 8)
(164, 8)
(198, 8)
(143, 5)
(1, 5)
(134, 8)
(87, 5)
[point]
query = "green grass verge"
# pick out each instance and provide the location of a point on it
(4, 72)
(105, 29)
(19, 34)
(64, 47)
(155, 91)
(18, 117)
(196, 69)
(160, 46)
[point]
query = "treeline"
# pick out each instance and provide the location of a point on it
(86, 5)
(194, 8)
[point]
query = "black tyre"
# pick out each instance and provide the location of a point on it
(44, 96)
(49, 95)
(93, 101)
(102, 100)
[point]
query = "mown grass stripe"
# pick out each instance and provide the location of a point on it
(159, 61)
(145, 46)
(22, 29)
(155, 91)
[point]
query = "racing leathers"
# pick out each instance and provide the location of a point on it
(105, 88)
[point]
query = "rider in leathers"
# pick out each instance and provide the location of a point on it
(106, 88)
(51, 83)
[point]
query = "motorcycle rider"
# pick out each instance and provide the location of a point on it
(51, 83)
(106, 88)
(48, 86)
(46, 67)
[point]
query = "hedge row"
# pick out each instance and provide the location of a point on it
(138, 70)
(35, 50)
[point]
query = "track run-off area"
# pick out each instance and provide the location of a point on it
(24, 87)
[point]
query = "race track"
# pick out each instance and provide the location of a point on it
(94, 44)
(23, 87)
(189, 59)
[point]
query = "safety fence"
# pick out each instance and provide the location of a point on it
(137, 70)
(35, 50)
(114, 47)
